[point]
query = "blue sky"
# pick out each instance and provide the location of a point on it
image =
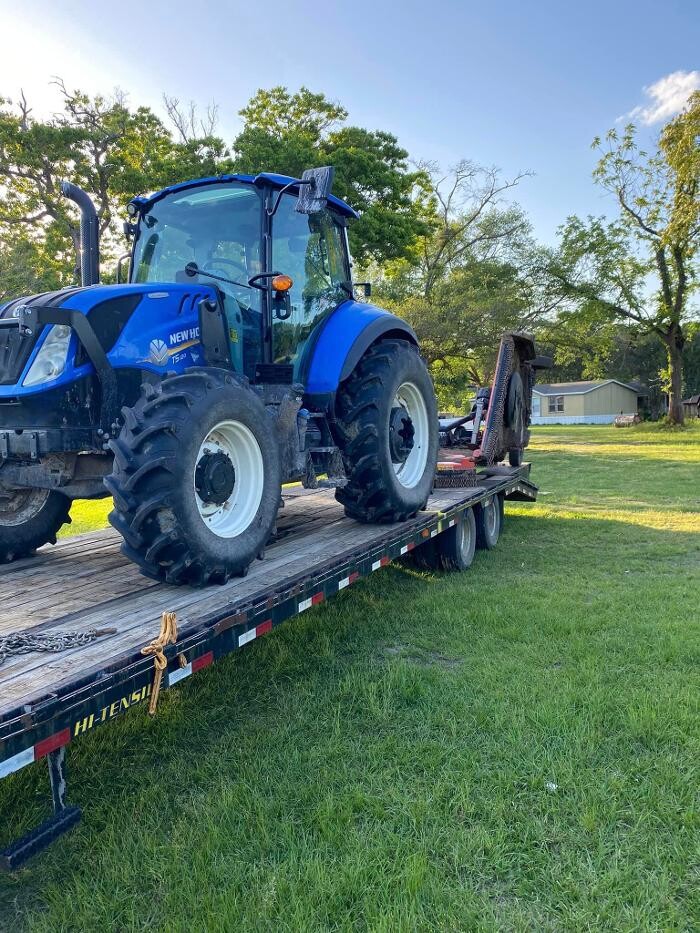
(519, 85)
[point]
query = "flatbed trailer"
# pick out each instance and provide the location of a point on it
(83, 584)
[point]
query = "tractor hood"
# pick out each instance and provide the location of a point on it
(164, 329)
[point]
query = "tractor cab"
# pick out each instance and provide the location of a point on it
(278, 260)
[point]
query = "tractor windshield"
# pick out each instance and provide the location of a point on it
(218, 226)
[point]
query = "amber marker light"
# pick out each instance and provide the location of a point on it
(282, 283)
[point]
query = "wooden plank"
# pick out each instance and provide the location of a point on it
(85, 583)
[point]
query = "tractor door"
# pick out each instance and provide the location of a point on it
(311, 249)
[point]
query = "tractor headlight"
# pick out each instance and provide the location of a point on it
(51, 359)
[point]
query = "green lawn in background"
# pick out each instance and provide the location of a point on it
(516, 747)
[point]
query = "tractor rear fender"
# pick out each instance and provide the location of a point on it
(344, 339)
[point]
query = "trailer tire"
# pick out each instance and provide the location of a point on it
(457, 545)
(30, 518)
(488, 523)
(387, 430)
(196, 478)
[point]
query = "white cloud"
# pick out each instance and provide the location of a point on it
(666, 97)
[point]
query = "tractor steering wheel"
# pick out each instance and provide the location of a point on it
(213, 264)
(240, 293)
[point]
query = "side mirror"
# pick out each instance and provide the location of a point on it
(366, 288)
(316, 184)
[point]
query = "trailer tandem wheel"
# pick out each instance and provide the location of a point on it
(456, 546)
(489, 518)
(453, 549)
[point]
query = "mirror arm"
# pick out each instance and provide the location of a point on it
(291, 184)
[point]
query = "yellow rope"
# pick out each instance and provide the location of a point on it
(166, 636)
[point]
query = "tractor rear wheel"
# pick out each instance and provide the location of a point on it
(387, 430)
(196, 478)
(29, 518)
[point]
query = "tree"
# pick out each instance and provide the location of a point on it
(462, 283)
(102, 145)
(289, 132)
(465, 220)
(641, 267)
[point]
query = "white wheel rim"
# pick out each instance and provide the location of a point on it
(410, 472)
(464, 537)
(490, 517)
(232, 517)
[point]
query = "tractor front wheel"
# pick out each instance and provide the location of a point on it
(387, 428)
(29, 518)
(196, 478)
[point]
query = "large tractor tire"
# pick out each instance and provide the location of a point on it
(196, 478)
(28, 519)
(387, 429)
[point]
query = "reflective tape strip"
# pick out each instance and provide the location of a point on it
(37, 751)
(433, 533)
(407, 547)
(20, 760)
(204, 660)
(312, 601)
(382, 562)
(58, 740)
(346, 581)
(452, 523)
(243, 639)
(174, 677)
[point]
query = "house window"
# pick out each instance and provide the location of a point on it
(556, 404)
(536, 406)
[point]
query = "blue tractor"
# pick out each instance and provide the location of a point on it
(235, 359)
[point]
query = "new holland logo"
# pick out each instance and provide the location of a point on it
(157, 352)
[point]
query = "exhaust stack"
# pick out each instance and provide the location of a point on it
(89, 233)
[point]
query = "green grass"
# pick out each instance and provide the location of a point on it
(513, 748)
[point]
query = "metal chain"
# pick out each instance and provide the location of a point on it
(26, 642)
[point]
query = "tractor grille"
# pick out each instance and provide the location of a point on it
(14, 351)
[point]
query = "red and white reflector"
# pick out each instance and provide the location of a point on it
(311, 601)
(180, 673)
(254, 633)
(382, 562)
(34, 753)
(346, 581)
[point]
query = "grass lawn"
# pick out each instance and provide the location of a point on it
(516, 747)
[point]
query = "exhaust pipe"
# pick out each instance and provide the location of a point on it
(89, 233)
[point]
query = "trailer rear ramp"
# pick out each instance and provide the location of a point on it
(83, 585)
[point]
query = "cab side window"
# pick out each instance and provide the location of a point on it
(310, 248)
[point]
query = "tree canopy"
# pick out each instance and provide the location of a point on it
(287, 133)
(642, 266)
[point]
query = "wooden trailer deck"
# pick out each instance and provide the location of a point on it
(84, 583)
